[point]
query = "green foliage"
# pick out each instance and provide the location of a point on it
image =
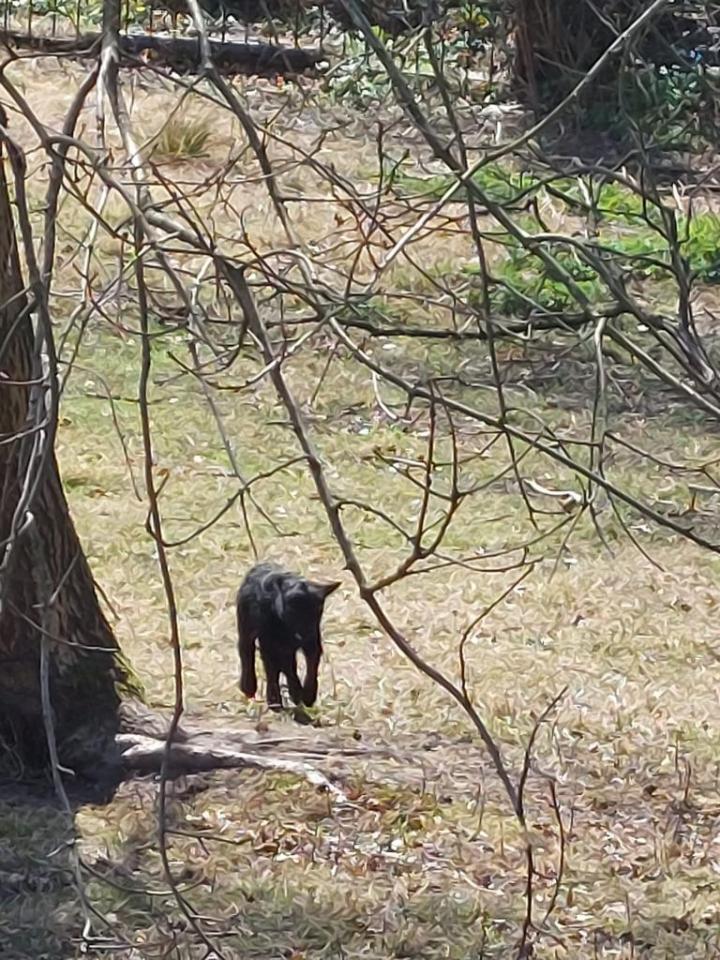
(523, 281)
(355, 86)
(698, 240)
(460, 36)
(643, 254)
(702, 246)
(666, 103)
(617, 202)
(630, 229)
(499, 184)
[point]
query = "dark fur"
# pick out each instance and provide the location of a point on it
(282, 612)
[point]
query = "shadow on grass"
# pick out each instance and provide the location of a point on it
(41, 914)
(559, 377)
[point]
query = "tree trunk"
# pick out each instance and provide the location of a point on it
(44, 576)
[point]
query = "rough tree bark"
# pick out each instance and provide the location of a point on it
(87, 675)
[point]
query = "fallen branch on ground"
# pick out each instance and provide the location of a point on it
(143, 754)
(179, 53)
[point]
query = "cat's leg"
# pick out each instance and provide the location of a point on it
(246, 650)
(295, 688)
(310, 686)
(272, 671)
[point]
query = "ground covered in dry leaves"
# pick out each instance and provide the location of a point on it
(423, 859)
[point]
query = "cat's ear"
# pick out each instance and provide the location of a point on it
(323, 590)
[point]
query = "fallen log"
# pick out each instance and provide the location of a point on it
(181, 54)
(146, 755)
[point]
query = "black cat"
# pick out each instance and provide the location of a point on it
(282, 612)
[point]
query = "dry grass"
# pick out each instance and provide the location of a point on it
(425, 861)
(181, 139)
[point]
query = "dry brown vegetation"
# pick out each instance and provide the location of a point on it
(424, 857)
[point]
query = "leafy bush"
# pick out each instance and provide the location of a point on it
(522, 281)
(499, 184)
(668, 103)
(699, 242)
(702, 247)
